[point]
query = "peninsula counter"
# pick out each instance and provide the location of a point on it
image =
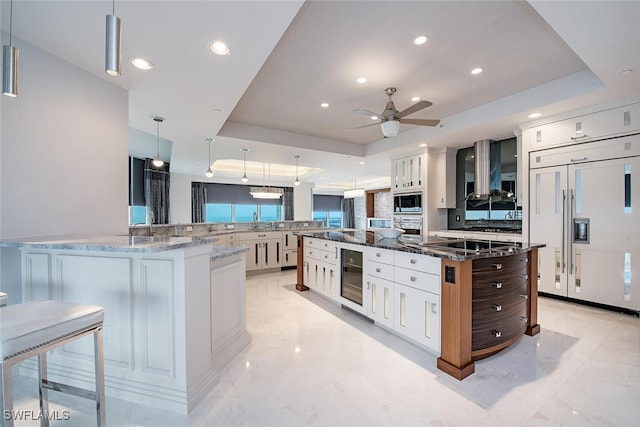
(174, 311)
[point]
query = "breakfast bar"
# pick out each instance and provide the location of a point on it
(174, 311)
(461, 299)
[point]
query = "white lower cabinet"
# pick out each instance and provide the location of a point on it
(321, 267)
(417, 315)
(381, 294)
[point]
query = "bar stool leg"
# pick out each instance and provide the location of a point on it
(6, 400)
(42, 391)
(99, 371)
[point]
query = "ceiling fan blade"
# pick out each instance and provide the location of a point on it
(415, 107)
(421, 122)
(360, 127)
(368, 113)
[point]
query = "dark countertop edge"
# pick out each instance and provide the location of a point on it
(396, 245)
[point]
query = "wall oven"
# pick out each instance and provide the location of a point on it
(412, 226)
(409, 203)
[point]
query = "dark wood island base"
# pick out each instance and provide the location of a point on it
(487, 305)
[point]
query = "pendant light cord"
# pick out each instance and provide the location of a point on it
(113, 10)
(158, 139)
(209, 154)
(11, 22)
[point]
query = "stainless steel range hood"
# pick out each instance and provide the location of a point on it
(482, 179)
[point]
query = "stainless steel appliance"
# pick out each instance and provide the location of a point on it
(351, 275)
(412, 226)
(378, 223)
(409, 203)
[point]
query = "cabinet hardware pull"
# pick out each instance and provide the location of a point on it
(377, 270)
(524, 296)
(524, 319)
(497, 266)
(497, 307)
(497, 285)
(524, 259)
(496, 334)
(414, 278)
(326, 256)
(524, 276)
(413, 261)
(261, 235)
(575, 138)
(368, 285)
(378, 254)
(326, 244)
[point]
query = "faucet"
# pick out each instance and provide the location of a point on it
(255, 220)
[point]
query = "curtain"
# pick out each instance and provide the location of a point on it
(156, 191)
(198, 202)
(348, 215)
(287, 202)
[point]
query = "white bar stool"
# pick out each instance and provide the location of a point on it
(33, 328)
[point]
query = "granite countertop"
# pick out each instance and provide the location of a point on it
(220, 252)
(143, 244)
(441, 247)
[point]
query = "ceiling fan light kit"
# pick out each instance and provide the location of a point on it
(390, 128)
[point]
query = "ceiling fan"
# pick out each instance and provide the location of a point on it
(391, 118)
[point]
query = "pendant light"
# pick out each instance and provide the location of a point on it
(10, 63)
(265, 192)
(209, 172)
(244, 163)
(113, 44)
(157, 161)
(297, 181)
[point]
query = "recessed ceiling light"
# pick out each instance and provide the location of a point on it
(422, 145)
(324, 105)
(415, 98)
(362, 163)
(216, 110)
(374, 118)
(142, 63)
(420, 40)
(219, 48)
(361, 80)
(534, 115)
(476, 71)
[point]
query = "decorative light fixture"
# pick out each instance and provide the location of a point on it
(390, 128)
(10, 63)
(209, 172)
(113, 44)
(157, 161)
(420, 40)
(297, 181)
(354, 192)
(244, 165)
(266, 192)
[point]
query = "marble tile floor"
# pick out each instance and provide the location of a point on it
(312, 363)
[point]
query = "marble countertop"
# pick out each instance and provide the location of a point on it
(220, 252)
(145, 244)
(430, 245)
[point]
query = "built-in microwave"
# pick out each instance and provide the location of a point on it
(408, 203)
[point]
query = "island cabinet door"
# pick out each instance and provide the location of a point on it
(417, 316)
(253, 256)
(381, 295)
(272, 253)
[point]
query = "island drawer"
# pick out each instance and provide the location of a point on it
(499, 285)
(490, 331)
(259, 235)
(321, 255)
(381, 255)
(489, 268)
(378, 269)
(418, 279)
(424, 263)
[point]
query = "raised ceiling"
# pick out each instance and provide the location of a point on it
(289, 56)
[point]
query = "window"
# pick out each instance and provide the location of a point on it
(219, 212)
(244, 213)
(328, 209)
(137, 205)
(229, 212)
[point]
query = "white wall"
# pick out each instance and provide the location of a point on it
(63, 167)
(180, 195)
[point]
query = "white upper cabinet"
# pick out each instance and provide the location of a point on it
(408, 173)
(446, 179)
(589, 127)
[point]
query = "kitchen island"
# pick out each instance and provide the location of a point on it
(174, 311)
(460, 299)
